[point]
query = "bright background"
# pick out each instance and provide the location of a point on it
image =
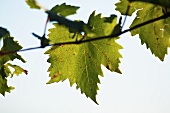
(142, 88)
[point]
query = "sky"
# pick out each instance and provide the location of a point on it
(143, 86)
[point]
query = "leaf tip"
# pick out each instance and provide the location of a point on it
(32, 4)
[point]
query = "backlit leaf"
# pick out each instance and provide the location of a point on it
(134, 5)
(33, 4)
(81, 63)
(9, 45)
(17, 69)
(4, 86)
(165, 3)
(123, 5)
(64, 10)
(154, 35)
(76, 26)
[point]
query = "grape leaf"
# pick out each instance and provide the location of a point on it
(154, 35)
(134, 5)
(33, 4)
(64, 10)
(3, 85)
(81, 63)
(6, 72)
(3, 32)
(75, 26)
(165, 3)
(123, 5)
(9, 45)
(17, 70)
(58, 14)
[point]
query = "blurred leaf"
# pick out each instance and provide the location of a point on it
(33, 4)
(9, 45)
(64, 10)
(165, 3)
(76, 26)
(3, 85)
(17, 69)
(3, 32)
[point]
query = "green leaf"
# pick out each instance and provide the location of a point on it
(75, 26)
(154, 35)
(3, 85)
(58, 14)
(64, 10)
(123, 5)
(3, 32)
(165, 3)
(81, 63)
(33, 4)
(6, 72)
(9, 45)
(17, 70)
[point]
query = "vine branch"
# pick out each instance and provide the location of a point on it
(94, 39)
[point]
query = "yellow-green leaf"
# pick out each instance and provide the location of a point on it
(64, 10)
(33, 4)
(81, 63)
(8, 52)
(154, 35)
(165, 3)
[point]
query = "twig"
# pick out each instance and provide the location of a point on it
(94, 39)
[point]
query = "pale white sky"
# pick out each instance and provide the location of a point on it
(142, 88)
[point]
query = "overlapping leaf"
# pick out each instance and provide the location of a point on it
(64, 10)
(5, 72)
(76, 26)
(9, 45)
(154, 35)
(165, 3)
(58, 14)
(123, 5)
(3, 32)
(134, 5)
(81, 63)
(4, 86)
(17, 70)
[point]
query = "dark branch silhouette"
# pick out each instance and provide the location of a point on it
(95, 38)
